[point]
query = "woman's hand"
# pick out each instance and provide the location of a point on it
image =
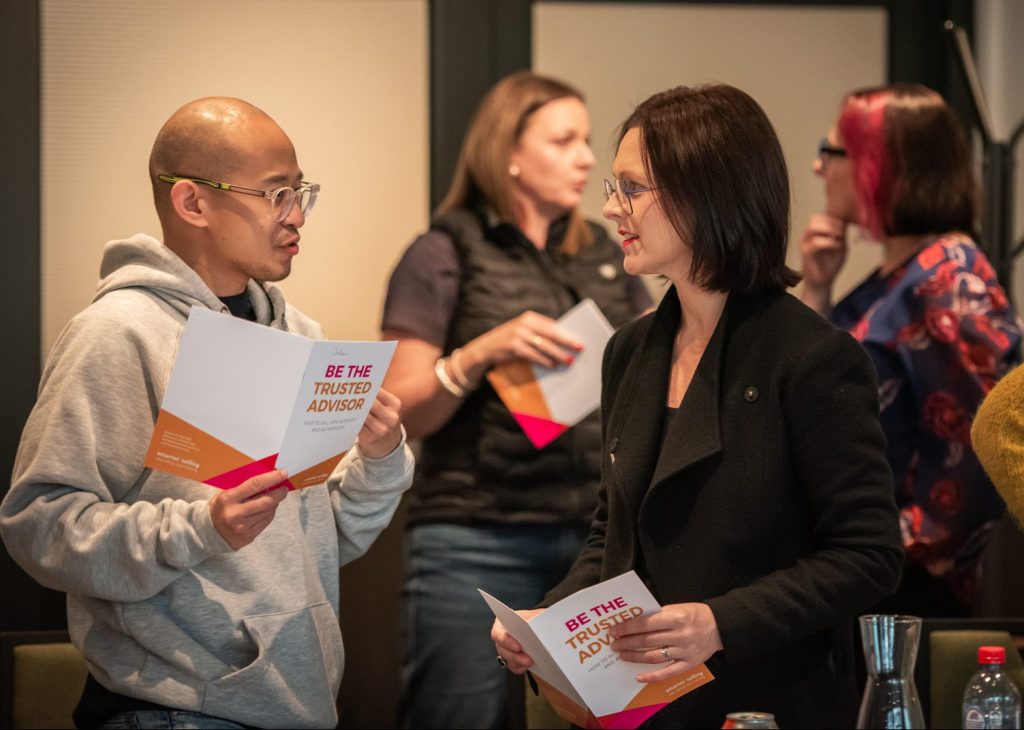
(530, 336)
(382, 431)
(511, 651)
(823, 250)
(428, 406)
(684, 633)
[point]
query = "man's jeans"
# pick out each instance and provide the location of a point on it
(451, 677)
(167, 720)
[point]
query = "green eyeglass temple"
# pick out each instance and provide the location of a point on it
(281, 200)
(219, 185)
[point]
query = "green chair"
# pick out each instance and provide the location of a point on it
(539, 714)
(41, 679)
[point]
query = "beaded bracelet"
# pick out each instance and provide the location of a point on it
(447, 383)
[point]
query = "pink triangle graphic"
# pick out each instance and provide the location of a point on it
(629, 718)
(540, 431)
(231, 479)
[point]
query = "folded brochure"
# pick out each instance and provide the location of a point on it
(586, 682)
(244, 399)
(546, 402)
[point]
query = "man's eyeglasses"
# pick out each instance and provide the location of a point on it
(826, 150)
(282, 200)
(624, 190)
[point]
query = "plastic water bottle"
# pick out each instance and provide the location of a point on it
(991, 699)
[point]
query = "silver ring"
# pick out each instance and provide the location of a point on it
(537, 341)
(502, 663)
(664, 653)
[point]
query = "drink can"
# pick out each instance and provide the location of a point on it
(764, 720)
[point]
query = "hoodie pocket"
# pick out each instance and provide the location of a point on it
(295, 678)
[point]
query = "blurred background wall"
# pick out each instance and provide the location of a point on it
(375, 94)
(347, 81)
(1000, 56)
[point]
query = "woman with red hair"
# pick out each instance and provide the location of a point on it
(933, 317)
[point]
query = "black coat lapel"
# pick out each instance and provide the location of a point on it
(635, 422)
(695, 432)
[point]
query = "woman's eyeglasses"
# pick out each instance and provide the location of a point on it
(826, 149)
(624, 190)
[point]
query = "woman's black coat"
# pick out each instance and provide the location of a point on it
(770, 500)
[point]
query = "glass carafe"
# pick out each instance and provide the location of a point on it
(890, 650)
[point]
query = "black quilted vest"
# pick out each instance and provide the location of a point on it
(480, 468)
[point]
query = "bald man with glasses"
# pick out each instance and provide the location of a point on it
(194, 607)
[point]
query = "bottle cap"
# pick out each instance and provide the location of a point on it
(991, 655)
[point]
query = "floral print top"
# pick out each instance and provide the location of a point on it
(941, 333)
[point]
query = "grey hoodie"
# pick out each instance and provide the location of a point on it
(161, 607)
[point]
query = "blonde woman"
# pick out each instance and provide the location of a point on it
(508, 252)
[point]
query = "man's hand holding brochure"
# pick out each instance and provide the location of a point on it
(585, 681)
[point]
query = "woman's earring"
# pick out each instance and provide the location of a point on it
(513, 170)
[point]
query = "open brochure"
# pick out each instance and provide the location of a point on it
(244, 399)
(548, 401)
(586, 682)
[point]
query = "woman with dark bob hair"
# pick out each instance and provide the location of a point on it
(744, 475)
(933, 318)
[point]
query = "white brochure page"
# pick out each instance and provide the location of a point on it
(543, 665)
(576, 632)
(236, 380)
(338, 388)
(574, 391)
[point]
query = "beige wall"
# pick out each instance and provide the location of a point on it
(797, 62)
(1000, 58)
(346, 79)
